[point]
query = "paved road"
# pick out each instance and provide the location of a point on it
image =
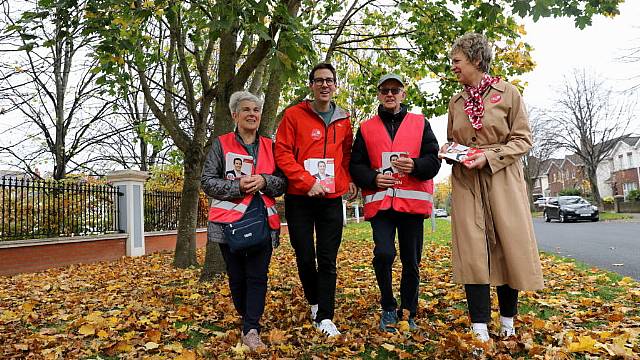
(601, 244)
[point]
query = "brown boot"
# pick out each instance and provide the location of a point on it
(252, 340)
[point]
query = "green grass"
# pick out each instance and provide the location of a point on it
(362, 232)
(542, 312)
(608, 293)
(614, 216)
(442, 233)
(592, 324)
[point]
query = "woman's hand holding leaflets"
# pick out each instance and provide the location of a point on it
(252, 184)
(475, 161)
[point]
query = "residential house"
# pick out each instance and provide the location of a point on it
(568, 174)
(624, 163)
(541, 183)
(617, 174)
(13, 175)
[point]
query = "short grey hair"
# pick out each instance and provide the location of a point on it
(475, 47)
(240, 96)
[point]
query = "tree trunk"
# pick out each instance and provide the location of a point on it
(595, 192)
(185, 254)
(270, 119)
(213, 262)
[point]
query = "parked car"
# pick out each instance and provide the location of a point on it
(440, 213)
(570, 208)
(541, 201)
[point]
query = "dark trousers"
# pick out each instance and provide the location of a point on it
(316, 263)
(479, 301)
(410, 237)
(247, 271)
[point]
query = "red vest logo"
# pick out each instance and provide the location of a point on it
(495, 98)
(316, 134)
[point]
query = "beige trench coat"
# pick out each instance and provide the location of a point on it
(493, 239)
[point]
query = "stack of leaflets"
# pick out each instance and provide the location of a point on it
(324, 172)
(237, 166)
(458, 152)
(387, 167)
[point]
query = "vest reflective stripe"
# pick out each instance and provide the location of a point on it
(228, 211)
(413, 196)
(228, 205)
(272, 211)
(399, 193)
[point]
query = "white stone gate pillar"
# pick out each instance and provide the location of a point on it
(130, 184)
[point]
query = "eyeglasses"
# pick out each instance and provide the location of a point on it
(320, 81)
(385, 91)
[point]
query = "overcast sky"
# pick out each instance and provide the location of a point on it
(559, 47)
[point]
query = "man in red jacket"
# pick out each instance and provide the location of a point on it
(310, 132)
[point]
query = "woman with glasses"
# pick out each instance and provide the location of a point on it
(493, 240)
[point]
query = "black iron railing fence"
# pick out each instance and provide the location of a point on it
(161, 210)
(32, 209)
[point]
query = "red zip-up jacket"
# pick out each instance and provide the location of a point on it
(302, 134)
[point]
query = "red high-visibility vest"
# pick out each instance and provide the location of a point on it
(228, 211)
(413, 196)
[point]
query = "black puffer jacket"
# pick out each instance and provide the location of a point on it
(427, 164)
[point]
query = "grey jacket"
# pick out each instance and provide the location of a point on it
(216, 186)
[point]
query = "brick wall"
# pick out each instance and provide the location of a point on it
(40, 256)
(625, 176)
(155, 242)
(36, 255)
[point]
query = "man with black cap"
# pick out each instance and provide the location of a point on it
(391, 205)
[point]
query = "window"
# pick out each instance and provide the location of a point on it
(626, 187)
(629, 160)
(620, 166)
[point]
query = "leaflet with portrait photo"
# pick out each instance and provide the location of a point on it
(324, 172)
(387, 167)
(458, 152)
(237, 166)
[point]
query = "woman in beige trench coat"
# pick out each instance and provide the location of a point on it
(493, 240)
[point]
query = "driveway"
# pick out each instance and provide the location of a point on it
(612, 245)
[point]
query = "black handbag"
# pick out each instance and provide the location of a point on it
(252, 230)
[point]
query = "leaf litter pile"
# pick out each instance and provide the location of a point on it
(144, 308)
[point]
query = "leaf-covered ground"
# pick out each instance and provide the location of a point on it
(144, 308)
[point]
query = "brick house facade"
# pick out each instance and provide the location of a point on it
(569, 174)
(625, 165)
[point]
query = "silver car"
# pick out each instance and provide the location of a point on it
(440, 213)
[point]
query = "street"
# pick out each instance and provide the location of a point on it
(613, 245)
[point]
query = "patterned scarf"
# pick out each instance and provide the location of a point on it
(474, 106)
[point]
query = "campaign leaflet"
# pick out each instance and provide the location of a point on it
(324, 172)
(388, 169)
(458, 152)
(237, 166)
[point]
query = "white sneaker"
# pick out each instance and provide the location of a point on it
(506, 327)
(506, 331)
(327, 327)
(314, 312)
(480, 331)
